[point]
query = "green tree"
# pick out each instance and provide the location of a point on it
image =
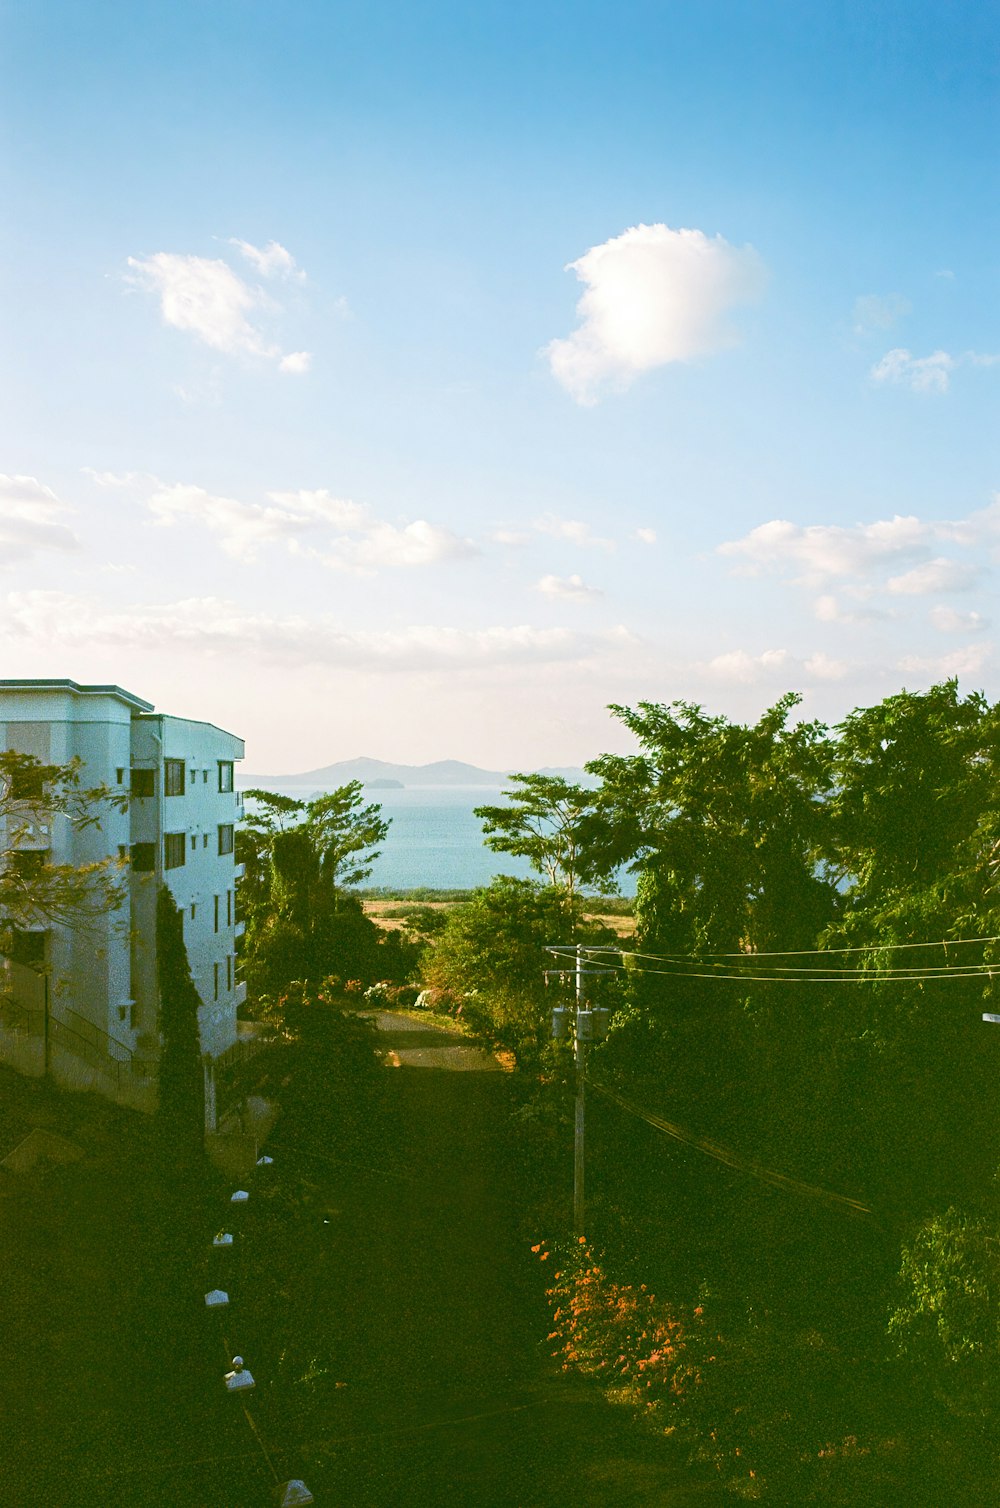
(730, 819)
(491, 952)
(34, 891)
(181, 1108)
(345, 834)
(556, 826)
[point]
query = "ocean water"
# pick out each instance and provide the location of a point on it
(435, 840)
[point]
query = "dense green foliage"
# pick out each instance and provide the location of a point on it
(803, 996)
(301, 921)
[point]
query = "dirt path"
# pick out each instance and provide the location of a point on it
(451, 1397)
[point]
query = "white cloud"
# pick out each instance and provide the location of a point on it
(646, 536)
(206, 298)
(740, 666)
(874, 311)
(215, 626)
(824, 668)
(295, 362)
(827, 609)
(825, 550)
(938, 575)
(653, 295)
(775, 667)
(336, 531)
(949, 621)
(969, 660)
(272, 260)
(569, 588)
(924, 374)
(30, 520)
(577, 532)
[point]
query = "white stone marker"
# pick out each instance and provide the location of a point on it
(216, 1298)
(239, 1378)
(222, 1239)
(264, 1162)
(240, 1197)
(290, 1494)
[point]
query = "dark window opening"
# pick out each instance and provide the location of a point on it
(143, 783)
(173, 777)
(225, 837)
(173, 850)
(120, 774)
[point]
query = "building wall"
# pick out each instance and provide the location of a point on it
(102, 988)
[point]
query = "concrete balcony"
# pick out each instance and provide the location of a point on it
(239, 929)
(239, 871)
(241, 993)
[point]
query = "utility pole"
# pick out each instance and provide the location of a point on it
(589, 1025)
(579, 1120)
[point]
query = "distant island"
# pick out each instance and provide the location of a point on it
(378, 774)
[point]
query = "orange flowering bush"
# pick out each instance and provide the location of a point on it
(633, 1342)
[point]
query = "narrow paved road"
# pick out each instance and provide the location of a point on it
(451, 1396)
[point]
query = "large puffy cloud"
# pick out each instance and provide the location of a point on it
(206, 298)
(653, 295)
(30, 520)
(212, 625)
(340, 533)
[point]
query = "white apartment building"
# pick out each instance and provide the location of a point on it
(82, 1005)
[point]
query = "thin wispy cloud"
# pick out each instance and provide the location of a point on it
(204, 297)
(31, 520)
(939, 575)
(215, 626)
(874, 312)
(270, 261)
(653, 296)
(335, 531)
(926, 374)
(774, 667)
(574, 530)
(948, 620)
(568, 588)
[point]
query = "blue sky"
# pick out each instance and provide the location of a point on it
(414, 380)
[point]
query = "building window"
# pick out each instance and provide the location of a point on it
(229, 971)
(122, 852)
(193, 905)
(216, 913)
(194, 841)
(120, 775)
(204, 840)
(173, 850)
(173, 777)
(225, 837)
(229, 908)
(204, 777)
(143, 857)
(194, 776)
(225, 774)
(215, 967)
(143, 783)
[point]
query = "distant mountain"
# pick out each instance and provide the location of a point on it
(370, 771)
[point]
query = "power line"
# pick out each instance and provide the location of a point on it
(730, 1158)
(943, 942)
(781, 974)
